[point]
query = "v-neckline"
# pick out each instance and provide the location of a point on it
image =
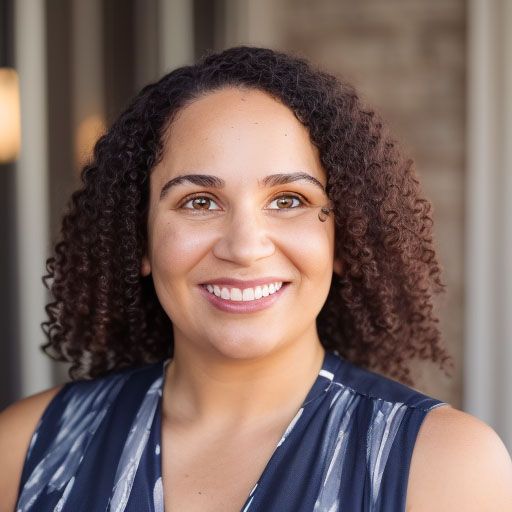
(316, 390)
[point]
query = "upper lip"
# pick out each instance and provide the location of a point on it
(238, 283)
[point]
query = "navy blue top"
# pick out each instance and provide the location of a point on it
(348, 448)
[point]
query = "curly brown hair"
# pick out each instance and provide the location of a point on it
(379, 314)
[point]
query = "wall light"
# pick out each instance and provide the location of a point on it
(88, 132)
(10, 131)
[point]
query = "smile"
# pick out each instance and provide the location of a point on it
(245, 295)
(247, 300)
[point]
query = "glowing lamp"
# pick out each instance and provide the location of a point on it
(10, 132)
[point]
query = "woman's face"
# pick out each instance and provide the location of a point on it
(236, 235)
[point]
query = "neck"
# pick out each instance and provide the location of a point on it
(214, 390)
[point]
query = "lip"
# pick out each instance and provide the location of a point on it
(251, 306)
(238, 283)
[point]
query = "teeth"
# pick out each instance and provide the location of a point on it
(247, 294)
(236, 294)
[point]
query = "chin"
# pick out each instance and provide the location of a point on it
(244, 346)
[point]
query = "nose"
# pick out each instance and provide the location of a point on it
(244, 240)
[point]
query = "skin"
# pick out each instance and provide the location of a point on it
(237, 380)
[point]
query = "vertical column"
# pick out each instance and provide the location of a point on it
(32, 192)
(87, 76)
(175, 34)
(488, 352)
(146, 42)
(506, 298)
(252, 22)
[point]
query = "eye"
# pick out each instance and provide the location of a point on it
(288, 202)
(203, 203)
(199, 203)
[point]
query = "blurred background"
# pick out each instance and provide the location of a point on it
(437, 70)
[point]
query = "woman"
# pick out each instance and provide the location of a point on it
(244, 230)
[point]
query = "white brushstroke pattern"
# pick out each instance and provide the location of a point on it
(335, 448)
(134, 447)
(158, 496)
(385, 423)
(79, 422)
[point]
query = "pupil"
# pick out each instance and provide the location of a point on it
(201, 202)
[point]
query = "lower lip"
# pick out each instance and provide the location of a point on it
(250, 306)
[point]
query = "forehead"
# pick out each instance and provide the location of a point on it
(241, 131)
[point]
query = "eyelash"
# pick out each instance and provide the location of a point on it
(299, 197)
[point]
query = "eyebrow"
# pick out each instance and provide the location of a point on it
(208, 180)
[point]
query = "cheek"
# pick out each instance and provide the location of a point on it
(173, 252)
(311, 250)
(176, 248)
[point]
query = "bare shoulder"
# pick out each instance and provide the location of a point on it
(17, 424)
(458, 463)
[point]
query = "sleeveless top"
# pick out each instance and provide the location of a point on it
(96, 447)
